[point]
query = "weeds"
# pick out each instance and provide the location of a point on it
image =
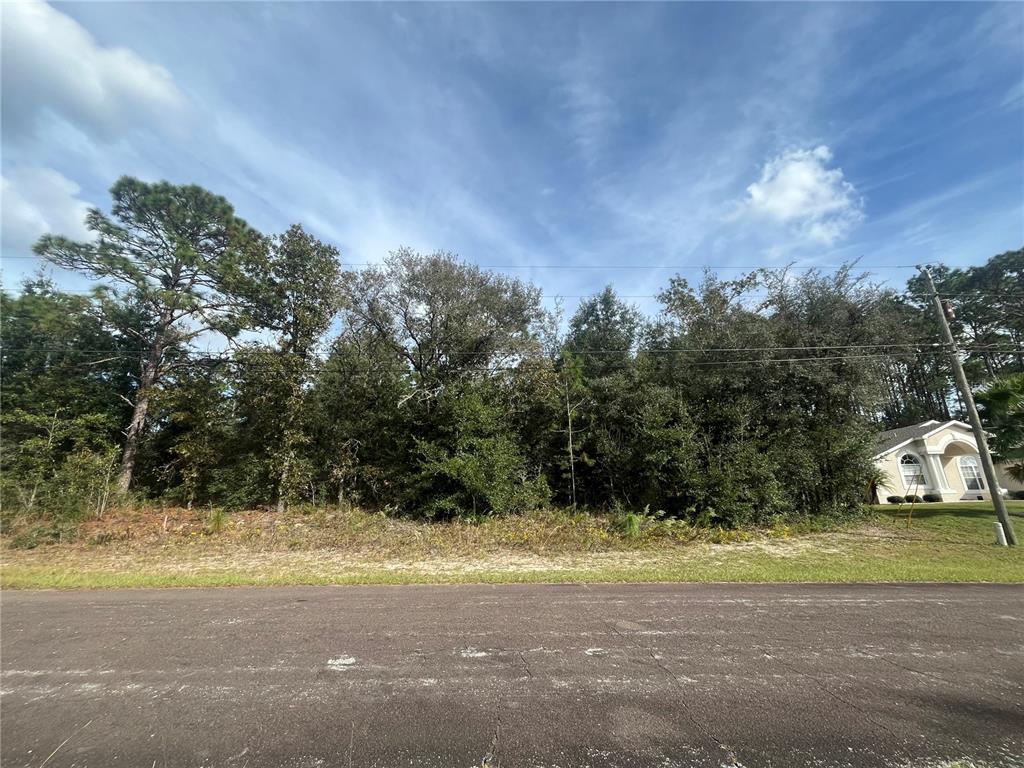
(132, 547)
(377, 533)
(215, 519)
(41, 533)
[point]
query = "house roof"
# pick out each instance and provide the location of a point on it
(892, 439)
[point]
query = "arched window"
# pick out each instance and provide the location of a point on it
(913, 473)
(970, 470)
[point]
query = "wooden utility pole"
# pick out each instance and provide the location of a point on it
(972, 412)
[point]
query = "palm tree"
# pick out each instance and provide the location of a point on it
(1002, 408)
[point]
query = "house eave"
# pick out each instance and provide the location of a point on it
(887, 451)
(944, 425)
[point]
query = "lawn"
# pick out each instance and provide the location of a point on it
(179, 548)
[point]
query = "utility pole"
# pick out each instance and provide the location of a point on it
(972, 411)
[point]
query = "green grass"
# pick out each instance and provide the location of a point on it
(942, 542)
(966, 520)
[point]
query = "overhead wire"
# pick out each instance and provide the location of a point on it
(317, 364)
(852, 265)
(939, 346)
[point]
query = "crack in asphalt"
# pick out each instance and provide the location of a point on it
(823, 687)
(915, 671)
(730, 753)
(526, 664)
(490, 759)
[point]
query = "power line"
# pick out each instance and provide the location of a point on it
(762, 294)
(758, 294)
(593, 350)
(606, 266)
(598, 350)
(317, 364)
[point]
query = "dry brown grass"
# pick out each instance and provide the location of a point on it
(147, 546)
(367, 533)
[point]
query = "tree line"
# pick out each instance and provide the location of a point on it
(213, 364)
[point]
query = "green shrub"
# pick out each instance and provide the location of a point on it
(474, 465)
(932, 497)
(628, 522)
(1019, 495)
(43, 533)
(215, 519)
(894, 499)
(81, 485)
(913, 499)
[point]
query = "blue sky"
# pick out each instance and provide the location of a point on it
(572, 134)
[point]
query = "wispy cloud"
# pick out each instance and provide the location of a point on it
(578, 134)
(591, 109)
(1014, 96)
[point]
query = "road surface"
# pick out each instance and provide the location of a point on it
(543, 675)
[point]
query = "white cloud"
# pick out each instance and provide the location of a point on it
(54, 66)
(798, 190)
(35, 201)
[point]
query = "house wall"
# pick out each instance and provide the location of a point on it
(947, 446)
(893, 484)
(943, 449)
(951, 490)
(953, 477)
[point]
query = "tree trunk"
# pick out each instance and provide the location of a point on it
(282, 486)
(572, 459)
(133, 436)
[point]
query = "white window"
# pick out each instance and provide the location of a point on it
(971, 473)
(913, 473)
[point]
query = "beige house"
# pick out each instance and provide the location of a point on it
(938, 458)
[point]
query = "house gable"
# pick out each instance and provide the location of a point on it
(938, 440)
(925, 432)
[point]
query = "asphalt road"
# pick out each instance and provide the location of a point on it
(579, 675)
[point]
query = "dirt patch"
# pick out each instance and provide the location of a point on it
(329, 563)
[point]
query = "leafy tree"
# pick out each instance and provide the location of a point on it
(917, 381)
(1002, 407)
(452, 325)
(361, 435)
(197, 427)
(989, 309)
(62, 352)
(49, 459)
(603, 332)
(475, 462)
(448, 320)
(295, 291)
(176, 251)
(65, 376)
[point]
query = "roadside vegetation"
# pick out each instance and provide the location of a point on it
(147, 546)
(423, 407)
